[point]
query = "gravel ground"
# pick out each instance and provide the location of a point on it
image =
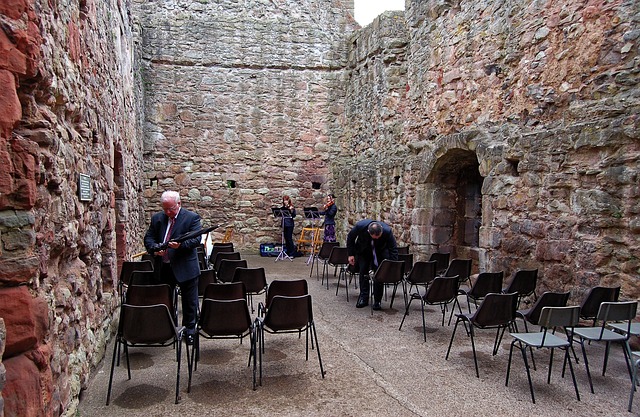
(371, 367)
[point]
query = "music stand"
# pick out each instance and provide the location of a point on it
(312, 214)
(283, 214)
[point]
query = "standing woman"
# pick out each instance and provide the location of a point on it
(329, 211)
(288, 224)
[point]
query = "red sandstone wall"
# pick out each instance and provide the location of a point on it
(542, 97)
(66, 107)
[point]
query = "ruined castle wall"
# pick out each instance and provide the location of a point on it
(67, 108)
(370, 169)
(242, 100)
(545, 97)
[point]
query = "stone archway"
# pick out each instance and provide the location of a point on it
(452, 205)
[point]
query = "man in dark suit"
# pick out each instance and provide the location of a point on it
(370, 242)
(178, 264)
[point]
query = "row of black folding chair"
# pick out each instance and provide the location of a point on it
(126, 270)
(524, 283)
(254, 279)
(148, 319)
(616, 326)
(216, 249)
(287, 309)
(225, 315)
(321, 257)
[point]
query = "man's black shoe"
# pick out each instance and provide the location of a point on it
(189, 339)
(376, 306)
(362, 302)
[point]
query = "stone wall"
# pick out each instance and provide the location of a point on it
(502, 131)
(242, 102)
(67, 107)
(535, 104)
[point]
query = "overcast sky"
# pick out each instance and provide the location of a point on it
(367, 10)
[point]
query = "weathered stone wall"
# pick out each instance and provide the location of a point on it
(67, 107)
(242, 99)
(370, 167)
(543, 98)
(521, 116)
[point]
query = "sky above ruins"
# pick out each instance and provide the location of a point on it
(367, 10)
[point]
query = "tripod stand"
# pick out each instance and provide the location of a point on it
(282, 214)
(312, 214)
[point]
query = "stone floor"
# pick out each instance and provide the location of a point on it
(372, 368)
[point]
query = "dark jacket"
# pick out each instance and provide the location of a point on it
(184, 260)
(330, 214)
(359, 242)
(288, 220)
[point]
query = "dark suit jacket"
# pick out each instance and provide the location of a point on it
(359, 242)
(184, 260)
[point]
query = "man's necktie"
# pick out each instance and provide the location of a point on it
(373, 249)
(165, 257)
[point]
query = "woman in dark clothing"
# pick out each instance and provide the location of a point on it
(329, 211)
(287, 226)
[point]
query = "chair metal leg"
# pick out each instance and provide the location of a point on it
(606, 358)
(406, 312)
(634, 382)
(178, 372)
(473, 348)
(586, 364)
(573, 375)
(523, 350)
(116, 351)
(455, 327)
(315, 336)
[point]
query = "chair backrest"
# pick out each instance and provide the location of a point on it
(325, 249)
(339, 256)
(147, 257)
(442, 260)
(286, 288)
(496, 310)
(289, 313)
(215, 250)
(617, 311)
(548, 299)
(225, 318)
(254, 279)
(559, 316)
(127, 268)
(202, 256)
(403, 250)
(596, 296)
(423, 272)
(389, 272)
(144, 295)
(223, 244)
(524, 282)
(143, 278)
(147, 324)
(228, 267)
(225, 291)
(459, 267)
(442, 290)
(207, 276)
(232, 256)
(407, 258)
(487, 282)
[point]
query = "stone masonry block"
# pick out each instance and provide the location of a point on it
(17, 310)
